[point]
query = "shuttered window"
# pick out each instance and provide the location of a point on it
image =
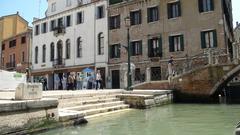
(208, 39)
(176, 43)
(205, 5)
(114, 22)
(174, 9)
(136, 48)
(114, 51)
(135, 17)
(153, 14)
(155, 47)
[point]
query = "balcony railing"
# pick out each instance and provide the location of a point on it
(11, 65)
(59, 30)
(58, 63)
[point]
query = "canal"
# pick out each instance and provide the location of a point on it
(175, 119)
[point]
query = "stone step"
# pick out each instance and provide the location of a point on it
(80, 93)
(65, 115)
(95, 106)
(77, 99)
(148, 92)
(85, 102)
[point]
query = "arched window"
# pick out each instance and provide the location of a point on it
(52, 52)
(68, 49)
(36, 55)
(100, 44)
(79, 47)
(44, 53)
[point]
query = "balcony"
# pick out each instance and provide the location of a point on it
(11, 65)
(59, 30)
(59, 63)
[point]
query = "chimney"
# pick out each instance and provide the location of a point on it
(237, 23)
(17, 13)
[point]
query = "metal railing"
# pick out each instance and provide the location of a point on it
(58, 63)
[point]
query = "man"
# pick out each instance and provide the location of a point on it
(79, 81)
(98, 79)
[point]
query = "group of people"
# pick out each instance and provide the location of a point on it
(76, 81)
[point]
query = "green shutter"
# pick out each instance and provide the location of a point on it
(140, 17)
(203, 42)
(212, 4)
(140, 47)
(110, 51)
(200, 6)
(214, 38)
(179, 9)
(171, 46)
(148, 15)
(149, 48)
(182, 42)
(160, 46)
(169, 10)
(119, 51)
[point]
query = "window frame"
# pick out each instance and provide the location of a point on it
(115, 22)
(150, 11)
(135, 17)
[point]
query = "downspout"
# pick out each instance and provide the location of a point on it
(94, 41)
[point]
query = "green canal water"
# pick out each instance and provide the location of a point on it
(176, 119)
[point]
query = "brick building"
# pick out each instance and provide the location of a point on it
(16, 52)
(163, 28)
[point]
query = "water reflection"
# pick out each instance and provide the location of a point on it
(168, 120)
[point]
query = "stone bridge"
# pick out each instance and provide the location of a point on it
(204, 81)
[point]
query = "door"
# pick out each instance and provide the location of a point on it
(115, 79)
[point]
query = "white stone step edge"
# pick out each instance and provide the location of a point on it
(79, 114)
(71, 104)
(100, 115)
(86, 98)
(94, 106)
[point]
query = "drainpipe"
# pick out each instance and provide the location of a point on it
(94, 41)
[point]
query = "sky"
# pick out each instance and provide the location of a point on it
(36, 8)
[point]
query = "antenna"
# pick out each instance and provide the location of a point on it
(39, 8)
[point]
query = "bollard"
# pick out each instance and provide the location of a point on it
(237, 131)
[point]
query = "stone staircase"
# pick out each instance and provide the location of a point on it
(88, 104)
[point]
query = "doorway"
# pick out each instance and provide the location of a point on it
(115, 79)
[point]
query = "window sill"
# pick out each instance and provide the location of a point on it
(153, 22)
(175, 18)
(206, 12)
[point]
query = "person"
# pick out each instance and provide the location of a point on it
(98, 79)
(44, 82)
(170, 68)
(64, 82)
(79, 81)
(70, 82)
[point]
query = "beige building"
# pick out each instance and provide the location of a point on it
(164, 28)
(10, 26)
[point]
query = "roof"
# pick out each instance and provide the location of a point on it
(17, 14)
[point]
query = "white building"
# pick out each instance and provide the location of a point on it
(72, 37)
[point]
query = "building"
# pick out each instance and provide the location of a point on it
(164, 28)
(10, 26)
(16, 52)
(237, 33)
(72, 37)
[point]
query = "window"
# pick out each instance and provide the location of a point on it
(100, 12)
(23, 57)
(68, 49)
(68, 3)
(79, 17)
(52, 52)
(209, 39)
(114, 22)
(135, 17)
(100, 44)
(44, 53)
(136, 48)
(53, 25)
(155, 47)
(44, 27)
(114, 51)
(79, 47)
(205, 5)
(137, 74)
(12, 43)
(53, 7)
(23, 40)
(37, 30)
(60, 22)
(3, 47)
(152, 14)
(155, 73)
(12, 60)
(36, 55)
(174, 9)
(176, 43)
(68, 21)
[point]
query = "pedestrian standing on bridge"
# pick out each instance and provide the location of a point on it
(170, 68)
